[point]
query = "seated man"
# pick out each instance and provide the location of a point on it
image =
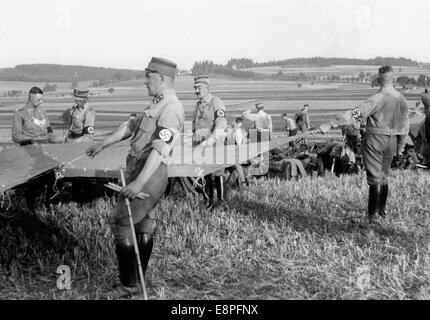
(80, 118)
(31, 124)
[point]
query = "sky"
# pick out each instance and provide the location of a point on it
(127, 33)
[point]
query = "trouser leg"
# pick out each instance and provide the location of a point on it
(219, 182)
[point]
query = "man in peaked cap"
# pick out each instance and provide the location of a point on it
(153, 135)
(387, 128)
(80, 118)
(209, 123)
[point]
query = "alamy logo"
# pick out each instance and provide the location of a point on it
(63, 281)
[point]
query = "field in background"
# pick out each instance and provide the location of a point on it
(325, 99)
(271, 240)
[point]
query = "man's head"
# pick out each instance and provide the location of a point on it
(385, 75)
(238, 122)
(284, 116)
(80, 96)
(35, 96)
(259, 106)
(305, 107)
(201, 86)
(160, 75)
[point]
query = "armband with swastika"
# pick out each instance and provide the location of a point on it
(164, 134)
(219, 114)
(89, 130)
(356, 113)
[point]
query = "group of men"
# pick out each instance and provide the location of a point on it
(154, 133)
(301, 122)
(31, 123)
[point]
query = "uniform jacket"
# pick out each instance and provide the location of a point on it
(82, 121)
(387, 113)
(208, 118)
(158, 127)
(30, 123)
(262, 120)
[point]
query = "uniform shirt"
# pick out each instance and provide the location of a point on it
(159, 127)
(81, 120)
(207, 115)
(290, 124)
(30, 123)
(208, 118)
(262, 120)
(387, 113)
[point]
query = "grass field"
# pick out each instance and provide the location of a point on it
(271, 240)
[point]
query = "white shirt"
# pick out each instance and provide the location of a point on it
(262, 120)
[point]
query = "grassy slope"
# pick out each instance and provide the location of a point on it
(277, 240)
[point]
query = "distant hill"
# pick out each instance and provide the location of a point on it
(66, 73)
(243, 63)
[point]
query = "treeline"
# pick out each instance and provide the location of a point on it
(65, 73)
(243, 63)
(210, 68)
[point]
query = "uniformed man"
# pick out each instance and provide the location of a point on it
(153, 133)
(290, 125)
(81, 118)
(31, 123)
(303, 118)
(424, 131)
(262, 120)
(209, 124)
(386, 131)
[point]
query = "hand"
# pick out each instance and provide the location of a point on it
(94, 150)
(132, 190)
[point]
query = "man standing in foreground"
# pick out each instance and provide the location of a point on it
(154, 132)
(386, 131)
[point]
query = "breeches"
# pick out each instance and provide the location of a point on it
(142, 210)
(378, 153)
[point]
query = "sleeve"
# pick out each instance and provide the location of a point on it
(90, 118)
(308, 120)
(249, 116)
(219, 109)
(363, 110)
(133, 123)
(194, 118)
(169, 127)
(17, 133)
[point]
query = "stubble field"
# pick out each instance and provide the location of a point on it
(272, 240)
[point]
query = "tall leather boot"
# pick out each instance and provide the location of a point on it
(210, 191)
(145, 243)
(373, 204)
(383, 200)
(219, 182)
(128, 275)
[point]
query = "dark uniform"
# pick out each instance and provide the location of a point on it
(209, 125)
(387, 128)
(30, 125)
(424, 131)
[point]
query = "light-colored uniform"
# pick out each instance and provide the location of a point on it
(209, 119)
(82, 121)
(30, 123)
(387, 127)
(159, 127)
(261, 119)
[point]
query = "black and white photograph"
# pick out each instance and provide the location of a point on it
(227, 152)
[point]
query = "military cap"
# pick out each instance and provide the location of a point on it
(162, 66)
(201, 79)
(259, 105)
(81, 93)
